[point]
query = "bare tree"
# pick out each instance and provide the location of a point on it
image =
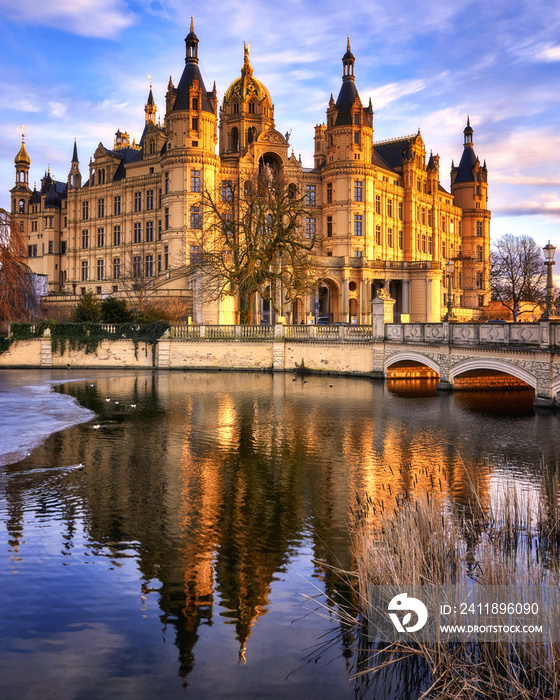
(517, 272)
(254, 240)
(16, 285)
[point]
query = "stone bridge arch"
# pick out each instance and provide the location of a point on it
(495, 364)
(411, 356)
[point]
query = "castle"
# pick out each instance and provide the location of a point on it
(380, 216)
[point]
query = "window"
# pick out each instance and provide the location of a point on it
(310, 227)
(443, 224)
(329, 192)
(166, 183)
(49, 221)
(195, 123)
(149, 265)
(358, 190)
(159, 230)
(63, 247)
(195, 102)
(149, 231)
(159, 198)
(357, 253)
(400, 211)
(100, 269)
(401, 240)
(85, 270)
(357, 119)
(195, 180)
(479, 229)
(310, 195)
(138, 201)
(390, 208)
(159, 263)
(166, 257)
(423, 216)
(32, 251)
(357, 138)
(85, 210)
(137, 266)
(430, 245)
(194, 255)
(138, 232)
(100, 237)
(100, 207)
(357, 224)
(429, 217)
(117, 208)
(481, 299)
(116, 235)
(329, 226)
(98, 290)
(195, 216)
(251, 107)
(116, 268)
(226, 190)
(479, 253)
(34, 226)
(378, 204)
(85, 239)
(149, 200)
(390, 237)
(166, 217)
(378, 235)
(443, 250)
(479, 280)
(423, 242)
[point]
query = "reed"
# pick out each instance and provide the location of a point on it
(427, 540)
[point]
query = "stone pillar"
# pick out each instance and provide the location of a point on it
(163, 353)
(344, 317)
(405, 293)
(381, 313)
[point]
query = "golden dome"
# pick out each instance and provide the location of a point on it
(246, 86)
(22, 157)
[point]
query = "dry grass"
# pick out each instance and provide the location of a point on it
(425, 540)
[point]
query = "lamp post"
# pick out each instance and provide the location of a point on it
(550, 310)
(449, 316)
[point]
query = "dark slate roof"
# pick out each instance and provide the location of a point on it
(465, 169)
(345, 100)
(378, 160)
(191, 73)
(392, 151)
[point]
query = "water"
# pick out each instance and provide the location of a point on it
(170, 544)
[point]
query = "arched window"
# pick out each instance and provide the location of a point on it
(152, 147)
(21, 206)
(234, 139)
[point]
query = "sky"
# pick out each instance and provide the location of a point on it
(79, 69)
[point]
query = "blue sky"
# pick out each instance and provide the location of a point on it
(80, 69)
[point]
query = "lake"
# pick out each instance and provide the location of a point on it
(181, 534)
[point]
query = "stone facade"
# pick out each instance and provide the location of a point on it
(379, 214)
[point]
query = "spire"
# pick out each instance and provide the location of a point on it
(150, 108)
(468, 132)
(191, 42)
(348, 63)
(75, 153)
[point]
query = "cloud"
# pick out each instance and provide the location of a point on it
(385, 94)
(548, 54)
(92, 18)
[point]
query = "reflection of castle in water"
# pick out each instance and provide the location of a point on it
(215, 479)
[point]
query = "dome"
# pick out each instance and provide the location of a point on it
(246, 86)
(22, 157)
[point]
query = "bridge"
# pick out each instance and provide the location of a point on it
(492, 354)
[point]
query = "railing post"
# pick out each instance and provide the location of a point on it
(202, 333)
(278, 331)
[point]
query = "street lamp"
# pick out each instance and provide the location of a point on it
(550, 310)
(449, 316)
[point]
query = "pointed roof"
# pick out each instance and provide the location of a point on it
(75, 153)
(465, 170)
(191, 73)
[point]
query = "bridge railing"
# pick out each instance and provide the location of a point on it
(520, 334)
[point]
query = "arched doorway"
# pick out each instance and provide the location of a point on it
(327, 305)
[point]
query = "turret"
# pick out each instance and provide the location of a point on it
(150, 108)
(74, 176)
(21, 192)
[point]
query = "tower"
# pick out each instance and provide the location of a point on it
(469, 186)
(21, 192)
